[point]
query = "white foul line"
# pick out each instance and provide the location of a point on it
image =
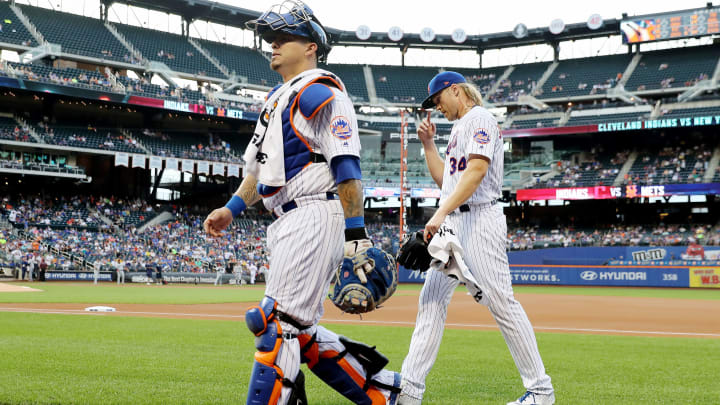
(355, 321)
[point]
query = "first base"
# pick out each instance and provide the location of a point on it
(100, 308)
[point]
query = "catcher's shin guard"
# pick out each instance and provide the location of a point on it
(267, 379)
(336, 371)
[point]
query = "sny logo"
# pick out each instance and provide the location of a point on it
(261, 157)
(340, 127)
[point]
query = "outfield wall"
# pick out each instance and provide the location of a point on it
(588, 266)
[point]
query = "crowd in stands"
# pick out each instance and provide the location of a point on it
(181, 244)
(671, 164)
(19, 134)
(509, 91)
(524, 238)
(592, 171)
(65, 78)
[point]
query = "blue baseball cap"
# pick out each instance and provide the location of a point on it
(440, 82)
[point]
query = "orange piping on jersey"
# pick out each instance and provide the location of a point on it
(271, 194)
(294, 104)
(326, 102)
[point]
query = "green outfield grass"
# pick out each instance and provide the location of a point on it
(110, 293)
(121, 360)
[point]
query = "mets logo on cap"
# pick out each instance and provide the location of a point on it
(340, 127)
(481, 136)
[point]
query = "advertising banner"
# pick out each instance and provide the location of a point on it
(155, 162)
(76, 275)
(171, 163)
(203, 167)
(425, 193)
(138, 161)
(218, 169)
(609, 192)
(122, 159)
(625, 276)
(233, 171)
(382, 191)
(705, 277)
(188, 165)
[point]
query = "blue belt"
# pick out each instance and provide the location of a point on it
(291, 205)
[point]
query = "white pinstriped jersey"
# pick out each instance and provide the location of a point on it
(477, 132)
(332, 132)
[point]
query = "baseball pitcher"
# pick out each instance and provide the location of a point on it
(470, 177)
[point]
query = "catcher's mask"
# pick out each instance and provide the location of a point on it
(294, 18)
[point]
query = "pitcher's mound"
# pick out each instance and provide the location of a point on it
(16, 288)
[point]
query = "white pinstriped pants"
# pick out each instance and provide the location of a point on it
(306, 246)
(482, 234)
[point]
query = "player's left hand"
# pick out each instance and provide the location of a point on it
(433, 224)
(356, 251)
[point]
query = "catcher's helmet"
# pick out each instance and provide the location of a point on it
(295, 18)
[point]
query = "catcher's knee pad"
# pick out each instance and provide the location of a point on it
(267, 379)
(336, 371)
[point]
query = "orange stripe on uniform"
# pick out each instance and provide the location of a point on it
(376, 396)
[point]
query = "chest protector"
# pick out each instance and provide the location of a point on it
(298, 153)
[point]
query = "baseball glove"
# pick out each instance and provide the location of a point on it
(413, 253)
(364, 281)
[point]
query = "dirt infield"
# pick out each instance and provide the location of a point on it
(15, 288)
(548, 313)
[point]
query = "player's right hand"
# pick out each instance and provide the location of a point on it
(426, 130)
(217, 221)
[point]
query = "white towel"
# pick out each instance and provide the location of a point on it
(447, 254)
(265, 155)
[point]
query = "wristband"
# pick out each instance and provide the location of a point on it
(355, 234)
(236, 205)
(354, 222)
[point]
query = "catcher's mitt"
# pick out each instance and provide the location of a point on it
(360, 289)
(413, 253)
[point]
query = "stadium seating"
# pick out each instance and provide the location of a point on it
(243, 62)
(10, 130)
(354, 79)
(13, 31)
(88, 36)
(67, 77)
(88, 137)
(672, 68)
(534, 123)
(184, 145)
(483, 78)
(173, 50)
(521, 81)
(598, 169)
(398, 84)
(601, 118)
(677, 161)
(690, 112)
(581, 77)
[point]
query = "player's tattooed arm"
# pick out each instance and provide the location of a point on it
(248, 190)
(351, 198)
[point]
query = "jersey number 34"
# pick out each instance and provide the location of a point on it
(457, 166)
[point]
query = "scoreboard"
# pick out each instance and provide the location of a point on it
(674, 25)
